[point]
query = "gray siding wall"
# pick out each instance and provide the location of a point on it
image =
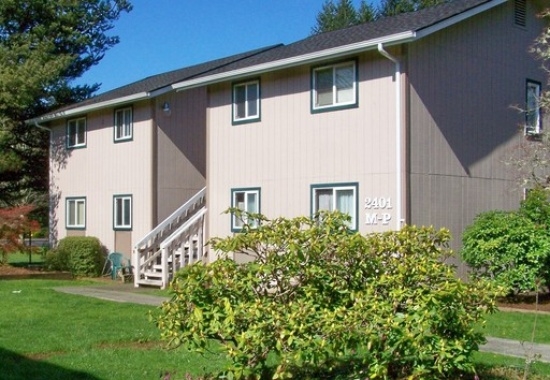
(181, 149)
(464, 82)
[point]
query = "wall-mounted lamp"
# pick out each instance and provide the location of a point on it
(166, 108)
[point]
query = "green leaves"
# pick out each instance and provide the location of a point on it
(511, 248)
(321, 299)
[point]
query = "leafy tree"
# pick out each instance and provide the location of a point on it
(511, 248)
(44, 46)
(14, 222)
(319, 300)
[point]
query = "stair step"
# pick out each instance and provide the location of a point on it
(144, 281)
(153, 274)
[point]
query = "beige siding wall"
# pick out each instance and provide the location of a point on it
(291, 149)
(103, 169)
(181, 149)
(464, 82)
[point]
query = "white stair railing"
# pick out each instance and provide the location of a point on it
(153, 253)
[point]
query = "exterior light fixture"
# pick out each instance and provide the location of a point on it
(166, 108)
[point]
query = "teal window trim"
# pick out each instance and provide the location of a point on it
(72, 221)
(335, 187)
(76, 133)
(330, 85)
(122, 212)
(533, 116)
(246, 101)
(245, 193)
(127, 130)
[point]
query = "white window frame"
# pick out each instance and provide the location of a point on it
(335, 188)
(74, 131)
(78, 219)
(334, 102)
(123, 124)
(119, 221)
(533, 117)
(249, 103)
(238, 222)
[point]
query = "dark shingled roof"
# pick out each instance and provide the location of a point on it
(414, 22)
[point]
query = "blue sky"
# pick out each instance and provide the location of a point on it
(163, 35)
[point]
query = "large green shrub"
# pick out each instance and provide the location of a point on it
(511, 248)
(320, 299)
(81, 255)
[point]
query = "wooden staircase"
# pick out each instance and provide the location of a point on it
(176, 242)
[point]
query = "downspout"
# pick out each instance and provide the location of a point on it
(398, 132)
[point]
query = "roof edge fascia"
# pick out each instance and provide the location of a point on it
(91, 107)
(458, 18)
(336, 52)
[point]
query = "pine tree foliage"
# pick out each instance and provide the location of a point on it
(44, 46)
(343, 14)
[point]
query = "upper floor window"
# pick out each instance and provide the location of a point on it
(76, 133)
(122, 215)
(75, 213)
(533, 119)
(248, 201)
(341, 197)
(246, 101)
(123, 124)
(334, 86)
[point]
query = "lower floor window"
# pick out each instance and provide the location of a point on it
(122, 212)
(332, 197)
(248, 201)
(75, 217)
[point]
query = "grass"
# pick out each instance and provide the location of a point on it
(506, 325)
(21, 259)
(49, 335)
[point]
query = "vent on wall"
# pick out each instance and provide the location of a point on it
(520, 12)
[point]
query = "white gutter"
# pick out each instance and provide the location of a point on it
(90, 107)
(398, 130)
(297, 60)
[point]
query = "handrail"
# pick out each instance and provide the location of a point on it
(189, 223)
(180, 211)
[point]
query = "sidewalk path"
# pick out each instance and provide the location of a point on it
(125, 293)
(113, 295)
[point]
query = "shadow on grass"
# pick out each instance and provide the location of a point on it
(18, 367)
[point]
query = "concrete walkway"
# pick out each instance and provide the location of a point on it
(127, 293)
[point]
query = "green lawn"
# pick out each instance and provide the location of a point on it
(49, 335)
(518, 326)
(22, 259)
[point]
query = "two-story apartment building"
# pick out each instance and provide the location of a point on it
(403, 120)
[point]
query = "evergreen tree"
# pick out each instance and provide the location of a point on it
(335, 16)
(342, 14)
(44, 46)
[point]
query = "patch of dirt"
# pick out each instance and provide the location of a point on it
(11, 272)
(526, 302)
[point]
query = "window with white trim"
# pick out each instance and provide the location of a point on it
(122, 212)
(334, 86)
(75, 213)
(533, 120)
(123, 124)
(332, 197)
(246, 101)
(76, 133)
(248, 201)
